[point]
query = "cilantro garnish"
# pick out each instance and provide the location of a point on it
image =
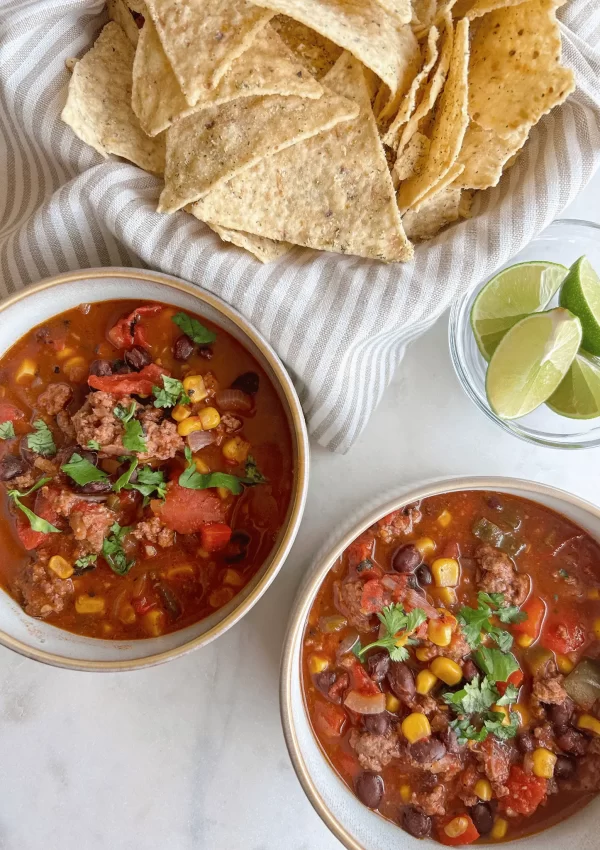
(399, 627)
(194, 329)
(147, 481)
(7, 431)
(496, 665)
(42, 441)
(475, 621)
(94, 444)
(86, 562)
(477, 696)
(474, 704)
(36, 522)
(253, 473)
(133, 438)
(113, 552)
(171, 393)
(191, 479)
(82, 471)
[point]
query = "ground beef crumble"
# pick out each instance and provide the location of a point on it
(154, 531)
(496, 574)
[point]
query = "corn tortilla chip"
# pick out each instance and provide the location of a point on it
(450, 124)
(423, 13)
(119, 12)
(332, 192)
(482, 7)
(267, 67)
(137, 6)
(265, 250)
(202, 38)
(440, 210)
(402, 9)
(485, 154)
(316, 52)
(215, 144)
(379, 40)
(98, 107)
(413, 158)
(449, 178)
(515, 74)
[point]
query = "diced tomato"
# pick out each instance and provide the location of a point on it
(516, 678)
(451, 550)
(360, 680)
(467, 837)
(372, 599)
(187, 511)
(525, 791)
(535, 608)
(134, 383)
(10, 413)
(360, 550)
(141, 605)
(126, 333)
(215, 536)
(563, 634)
(29, 538)
(330, 719)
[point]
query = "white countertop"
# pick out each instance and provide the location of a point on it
(190, 755)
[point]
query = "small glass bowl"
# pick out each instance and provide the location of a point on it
(562, 242)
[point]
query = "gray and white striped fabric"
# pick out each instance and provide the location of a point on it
(339, 323)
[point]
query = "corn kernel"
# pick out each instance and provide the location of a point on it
(317, 664)
(153, 622)
(180, 571)
(457, 827)
(543, 762)
(445, 572)
(26, 371)
(425, 546)
(392, 703)
(425, 681)
(85, 604)
(195, 388)
(524, 640)
(596, 628)
(201, 465)
(60, 566)
(499, 829)
(74, 363)
(422, 653)
(439, 633)
(594, 593)
(415, 727)
(503, 710)
(221, 597)
(405, 792)
(564, 663)
(589, 723)
(192, 423)
(483, 790)
(447, 670)
(233, 578)
(210, 417)
(446, 595)
(181, 412)
(127, 614)
(523, 712)
(107, 629)
(444, 519)
(223, 493)
(65, 352)
(236, 450)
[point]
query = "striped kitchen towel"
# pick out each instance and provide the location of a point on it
(340, 324)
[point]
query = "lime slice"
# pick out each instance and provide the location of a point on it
(531, 361)
(580, 294)
(510, 296)
(578, 394)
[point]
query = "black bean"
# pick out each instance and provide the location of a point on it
(369, 788)
(378, 666)
(11, 467)
(560, 715)
(247, 383)
(469, 670)
(378, 724)
(423, 575)
(100, 368)
(183, 348)
(564, 768)
(573, 742)
(427, 750)
(137, 357)
(401, 679)
(526, 742)
(450, 740)
(406, 559)
(206, 352)
(324, 680)
(416, 823)
(482, 817)
(237, 548)
(494, 503)
(96, 487)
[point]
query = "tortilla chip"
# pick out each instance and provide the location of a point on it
(450, 124)
(401, 9)
(440, 210)
(137, 6)
(405, 107)
(466, 200)
(120, 13)
(515, 75)
(413, 158)
(379, 40)
(202, 38)
(450, 178)
(482, 7)
(265, 250)
(316, 52)
(484, 155)
(438, 19)
(267, 67)
(423, 12)
(332, 192)
(215, 144)
(98, 107)
(432, 88)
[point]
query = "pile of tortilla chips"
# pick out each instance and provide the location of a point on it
(341, 126)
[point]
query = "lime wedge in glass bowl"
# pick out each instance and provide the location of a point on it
(578, 394)
(511, 295)
(580, 294)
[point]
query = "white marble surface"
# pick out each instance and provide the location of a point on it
(190, 755)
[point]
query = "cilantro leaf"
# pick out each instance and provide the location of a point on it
(150, 481)
(113, 552)
(94, 444)
(82, 471)
(170, 394)
(125, 414)
(496, 665)
(37, 523)
(253, 474)
(466, 731)
(133, 438)
(476, 697)
(474, 621)
(42, 441)
(398, 627)
(510, 695)
(86, 562)
(194, 329)
(503, 638)
(124, 479)
(495, 723)
(7, 431)
(191, 479)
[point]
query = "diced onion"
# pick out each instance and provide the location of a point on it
(197, 440)
(365, 704)
(234, 401)
(346, 644)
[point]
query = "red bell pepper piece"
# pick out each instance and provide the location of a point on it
(188, 511)
(134, 383)
(535, 608)
(372, 599)
(467, 837)
(360, 680)
(563, 634)
(525, 791)
(330, 719)
(215, 536)
(125, 333)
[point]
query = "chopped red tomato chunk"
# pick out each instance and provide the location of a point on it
(563, 634)
(525, 791)
(188, 511)
(516, 678)
(372, 600)
(10, 413)
(134, 383)
(215, 536)
(127, 332)
(330, 719)
(535, 608)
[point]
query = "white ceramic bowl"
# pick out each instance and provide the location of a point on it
(44, 642)
(356, 826)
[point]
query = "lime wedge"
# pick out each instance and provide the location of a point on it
(531, 361)
(510, 296)
(580, 294)
(578, 394)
